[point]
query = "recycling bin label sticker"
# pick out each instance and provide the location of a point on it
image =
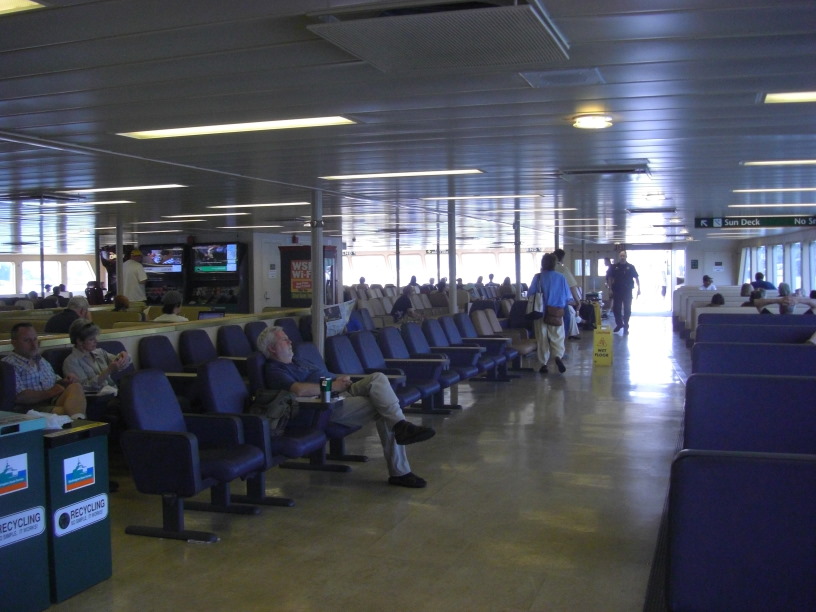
(81, 514)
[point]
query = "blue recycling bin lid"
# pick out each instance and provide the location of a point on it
(15, 423)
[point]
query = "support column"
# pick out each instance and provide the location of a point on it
(453, 301)
(517, 247)
(318, 280)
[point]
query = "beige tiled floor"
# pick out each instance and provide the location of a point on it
(545, 494)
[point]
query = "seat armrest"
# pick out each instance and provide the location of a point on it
(215, 429)
(419, 368)
(387, 371)
(459, 356)
(257, 434)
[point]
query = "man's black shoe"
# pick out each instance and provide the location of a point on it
(410, 480)
(408, 433)
(561, 367)
(617, 329)
(575, 337)
(543, 370)
(626, 331)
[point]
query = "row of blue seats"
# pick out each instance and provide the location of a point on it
(742, 505)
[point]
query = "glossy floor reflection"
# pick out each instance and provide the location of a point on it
(544, 494)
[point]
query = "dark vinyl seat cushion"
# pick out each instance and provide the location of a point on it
(421, 375)
(231, 341)
(494, 344)
(393, 346)
(252, 330)
(290, 328)
(341, 358)
(462, 362)
(196, 347)
(438, 339)
(178, 456)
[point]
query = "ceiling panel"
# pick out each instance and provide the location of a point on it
(680, 79)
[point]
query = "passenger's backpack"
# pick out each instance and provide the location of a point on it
(277, 406)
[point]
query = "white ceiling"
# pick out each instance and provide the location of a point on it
(682, 81)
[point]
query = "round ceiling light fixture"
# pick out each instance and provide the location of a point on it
(592, 121)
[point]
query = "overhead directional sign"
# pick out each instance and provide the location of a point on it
(749, 222)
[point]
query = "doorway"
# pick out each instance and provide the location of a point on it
(654, 267)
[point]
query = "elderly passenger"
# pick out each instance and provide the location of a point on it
(77, 308)
(93, 367)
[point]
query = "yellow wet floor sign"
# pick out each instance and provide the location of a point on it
(602, 346)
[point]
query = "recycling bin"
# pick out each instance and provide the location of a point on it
(79, 540)
(24, 578)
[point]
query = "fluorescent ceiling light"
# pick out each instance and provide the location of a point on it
(67, 204)
(16, 6)
(487, 197)
(157, 232)
(532, 210)
(771, 205)
(592, 121)
(342, 177)
(781, 162)
(248, 226)
(166, 222)
(790, 97)
(133, 188)
(656, 209)
(105, 228)
(261, 205)
(357, 215)
(774, 190)
(232, 128)
(296, 232)
(204, 215)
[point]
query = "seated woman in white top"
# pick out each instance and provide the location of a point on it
(92, 366)
(171, 305)
(708, 284)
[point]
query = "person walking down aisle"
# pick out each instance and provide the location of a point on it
(621, 278)
(556, 294)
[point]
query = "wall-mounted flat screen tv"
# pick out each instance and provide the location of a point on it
(161, 259)
(215, 258)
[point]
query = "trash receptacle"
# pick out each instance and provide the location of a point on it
(24, 582)
(79, 542)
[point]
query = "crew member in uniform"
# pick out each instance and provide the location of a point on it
(621, 277)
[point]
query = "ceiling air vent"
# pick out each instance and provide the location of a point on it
(450, 36)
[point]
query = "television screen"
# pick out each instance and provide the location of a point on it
(215, 258)
(211, 314)
(163, 259)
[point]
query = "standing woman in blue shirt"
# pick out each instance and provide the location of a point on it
(556, 293)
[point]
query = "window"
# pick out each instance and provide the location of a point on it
(31, 275)
(373, 267)
(746, 273)
(8, 280)
(777, 270)
(796, 265)
(760, 260)
(78, 274)
(812, 250)
(410, 265)
(475, 265)
(581, 267)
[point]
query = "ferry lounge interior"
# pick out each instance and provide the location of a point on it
(447, 127)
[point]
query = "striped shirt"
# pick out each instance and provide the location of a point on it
(31, 374)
